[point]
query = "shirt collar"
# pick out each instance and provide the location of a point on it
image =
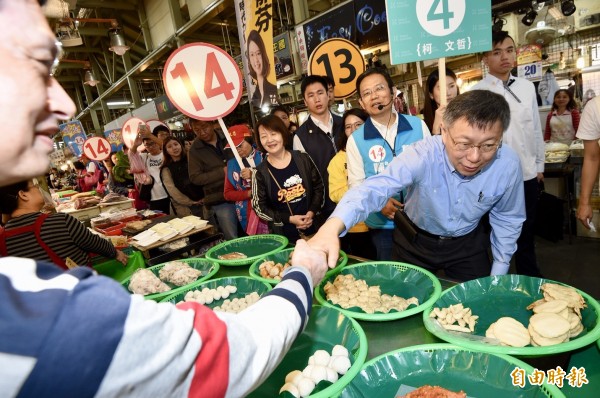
(372, 128)
(326, 128)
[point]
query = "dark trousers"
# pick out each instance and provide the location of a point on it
(525, 259)
(163, 205)
(383, 241)
(463, 258)
(359, 244)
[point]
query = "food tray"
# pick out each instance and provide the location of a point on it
(326, 327)
(208, 268)
(478, 374)
(253, 247)
(160, 217)
(282, 257)
(493, 297)
(394, 278)
(110, 229)
(245, 285)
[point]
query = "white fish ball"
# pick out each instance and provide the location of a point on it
(289, 378)
(341, 364)
(308, 371)
(305, 387)
(318, 373)
(332, 375)
(321, 357)
(340, 350)
(292, 389)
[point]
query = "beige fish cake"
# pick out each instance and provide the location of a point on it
(549, 325)
(511, 332)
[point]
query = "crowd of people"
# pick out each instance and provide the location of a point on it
(440, 197)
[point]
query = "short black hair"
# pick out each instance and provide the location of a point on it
(159, 128)
(279, 108)
(330, 81)
(9, 196)
(375, 71)
(500, 36)
(273, 123)
(312, 79)
(479, 108)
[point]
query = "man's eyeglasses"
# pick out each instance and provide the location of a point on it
(57, 57)
(464, 146)
(353, 126)
(378, 89)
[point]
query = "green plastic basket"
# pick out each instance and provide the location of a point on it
(478, 374)
(326, 328)
(115, 270)
(245, 285)
(282, 257)
(398, 279)
(494, 297)
(208, 268)
(253, 247)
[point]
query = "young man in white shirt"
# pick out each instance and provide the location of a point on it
(318, 134)
(589, 132)
(524, 135)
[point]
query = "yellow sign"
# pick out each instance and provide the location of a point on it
(341, 60)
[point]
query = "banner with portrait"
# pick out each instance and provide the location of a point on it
(255, 28)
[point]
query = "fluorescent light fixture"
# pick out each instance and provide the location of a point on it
(117, 103)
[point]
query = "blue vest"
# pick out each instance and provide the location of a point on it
(376, 154)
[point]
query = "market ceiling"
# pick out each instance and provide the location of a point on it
(217, 26)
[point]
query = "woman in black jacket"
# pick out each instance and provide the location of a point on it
(287, 188)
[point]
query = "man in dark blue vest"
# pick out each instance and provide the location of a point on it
(318, 134)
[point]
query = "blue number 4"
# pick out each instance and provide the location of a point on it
(445, 15)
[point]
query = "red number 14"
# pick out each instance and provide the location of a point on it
(213, 71)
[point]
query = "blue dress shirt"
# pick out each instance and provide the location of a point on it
(443, 202)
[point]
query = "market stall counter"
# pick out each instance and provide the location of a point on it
(410, 331)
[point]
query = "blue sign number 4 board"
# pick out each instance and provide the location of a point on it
(427, 29)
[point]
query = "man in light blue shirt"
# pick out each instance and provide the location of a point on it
(452, 181)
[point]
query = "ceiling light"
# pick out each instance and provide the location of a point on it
(117, 42)
(529, 17)
(568, 7)
(90, 79)
(118, 103)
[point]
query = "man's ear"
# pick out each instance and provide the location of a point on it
(360, 102)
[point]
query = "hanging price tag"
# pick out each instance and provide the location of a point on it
(96, 148)
(531, 72)
(202, 81)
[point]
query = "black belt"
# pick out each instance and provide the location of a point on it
(410, 229)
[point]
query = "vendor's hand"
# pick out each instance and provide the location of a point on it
(584, 213)
(327, 240)
(246, 174)
(391, 207)
(312, 259)
(540, 177)
(122, 257)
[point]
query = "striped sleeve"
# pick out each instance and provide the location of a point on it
(88, 241)
(75, 334)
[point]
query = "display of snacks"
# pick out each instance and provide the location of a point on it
(476, 373)
(327, 332)
(262, 269)
(204, 267)
(252, 247)
(508, 322)
(393, 279)
(229, 294)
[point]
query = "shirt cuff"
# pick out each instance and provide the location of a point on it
(499, 268)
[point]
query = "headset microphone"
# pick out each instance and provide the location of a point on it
(381, 106)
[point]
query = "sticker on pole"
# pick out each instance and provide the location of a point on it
(342, 61)
(96, 148)
(131, 129)
(202, 81)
